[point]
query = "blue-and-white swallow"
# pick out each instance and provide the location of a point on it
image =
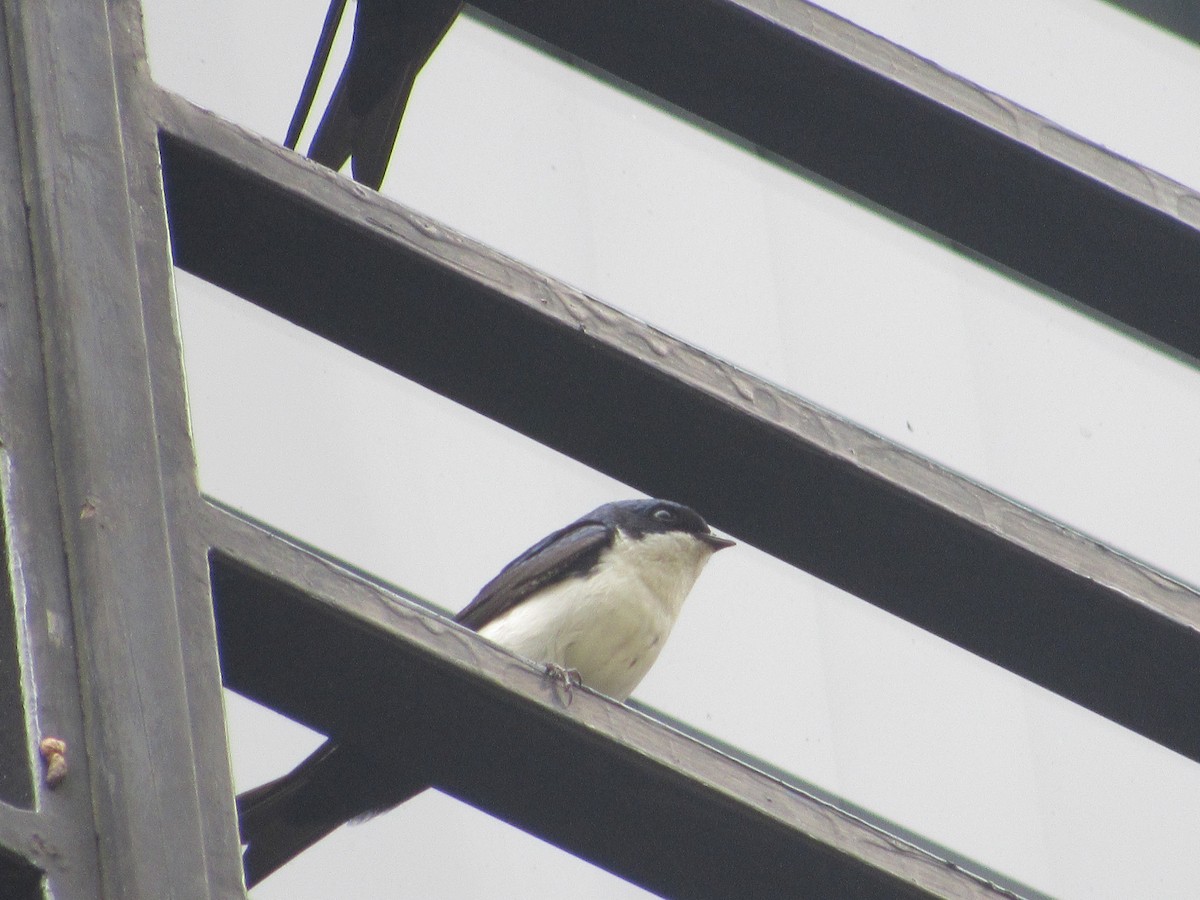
(596, 599)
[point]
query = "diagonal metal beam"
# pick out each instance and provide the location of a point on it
(283, 609)
(773, 469)
(989, 176)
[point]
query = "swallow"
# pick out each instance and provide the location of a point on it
(595, 601)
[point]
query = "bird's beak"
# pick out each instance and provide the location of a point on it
(717, 543)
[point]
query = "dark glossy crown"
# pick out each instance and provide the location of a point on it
(637, 518)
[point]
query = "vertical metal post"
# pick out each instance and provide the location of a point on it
(125, 472)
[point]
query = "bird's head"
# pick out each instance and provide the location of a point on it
(639, 518)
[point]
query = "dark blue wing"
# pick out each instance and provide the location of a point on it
(569, 551)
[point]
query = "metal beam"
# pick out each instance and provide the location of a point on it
(136, 95)
(16, 771)
(90, 188)
(935, 149)
(1179, 16)
(60, 836)
(18, 880)
(283, 609)
(48, 844)
(795, 480)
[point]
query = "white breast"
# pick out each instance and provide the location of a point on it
(611, 625)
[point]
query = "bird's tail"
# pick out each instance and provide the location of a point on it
(282, 818)
(391, 42)
(334, 140)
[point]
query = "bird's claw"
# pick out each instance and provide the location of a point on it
(565, 681)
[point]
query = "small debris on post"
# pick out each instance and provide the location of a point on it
(54, 755)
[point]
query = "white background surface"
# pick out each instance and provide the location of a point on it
(795, 283)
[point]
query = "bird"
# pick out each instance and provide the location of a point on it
(391, 42)
(592, 603)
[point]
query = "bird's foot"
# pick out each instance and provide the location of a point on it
(565, 681)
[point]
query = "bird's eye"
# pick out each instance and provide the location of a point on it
(664, 515)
